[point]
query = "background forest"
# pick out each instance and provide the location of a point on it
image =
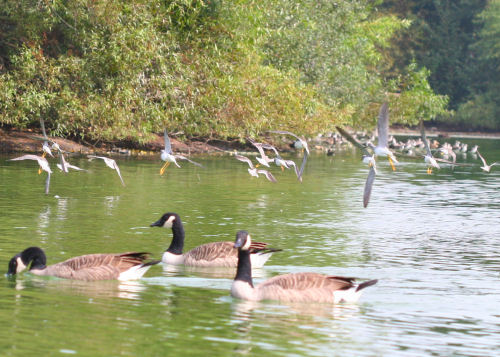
(122, 70)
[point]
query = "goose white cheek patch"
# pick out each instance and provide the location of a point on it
(20, 265)
(169, 222)
(247, 243)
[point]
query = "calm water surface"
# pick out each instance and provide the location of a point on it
(432, 241)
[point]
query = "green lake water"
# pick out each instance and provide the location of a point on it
(433, 242)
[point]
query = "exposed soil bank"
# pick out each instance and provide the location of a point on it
(30, 142)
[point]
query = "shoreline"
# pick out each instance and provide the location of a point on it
(28, 141)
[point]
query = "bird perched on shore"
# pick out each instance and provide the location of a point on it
(169, 157)
(294, 287)
(253, 171)
(124, 266)
(109, 163)
(42, 162)
(382, 148)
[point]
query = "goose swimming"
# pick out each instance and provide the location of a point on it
(124, 266)
(294, 287)
(216, 254)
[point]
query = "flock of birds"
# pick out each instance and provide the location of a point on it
(243, 253)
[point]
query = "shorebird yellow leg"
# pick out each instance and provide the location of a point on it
(40, 168)
(164, 167)
(282, 168)
(392, 163)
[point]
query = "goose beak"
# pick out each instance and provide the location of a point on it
(156, 224)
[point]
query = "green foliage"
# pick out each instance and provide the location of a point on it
(113, 70)
(482, 109)
(417, 100)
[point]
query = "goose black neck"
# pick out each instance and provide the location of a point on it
(177, 243)
(244, 270)
(36, 256)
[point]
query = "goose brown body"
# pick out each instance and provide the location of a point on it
(214, 254)
(94, 266)
(122, 266)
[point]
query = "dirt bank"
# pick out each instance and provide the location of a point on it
(28, 141)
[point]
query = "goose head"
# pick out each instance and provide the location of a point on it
(243, 240)
(21, 261)
(167, 220)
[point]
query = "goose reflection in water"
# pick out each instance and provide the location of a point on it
(130, 290)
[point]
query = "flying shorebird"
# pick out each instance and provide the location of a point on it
(253, 171)
(485, 166)
(280, 162)
(42, 162)
(263, 160)
(428, 158)
(299, 143)
(368, 159)
(109, 163)
(169, 157)
(383, 133)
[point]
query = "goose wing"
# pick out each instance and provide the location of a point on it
(211, 252)
(383, 125)
(96, 266)
(307, 281)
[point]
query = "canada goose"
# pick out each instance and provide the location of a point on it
(295, 287)
(109, 163)
(485, 166)
(44, 165)
(383, 133)
(299, 143)
(216, 254)
(253, 171)
(124, 266)
(169, 157)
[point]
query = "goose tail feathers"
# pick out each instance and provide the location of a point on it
(366, 284)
